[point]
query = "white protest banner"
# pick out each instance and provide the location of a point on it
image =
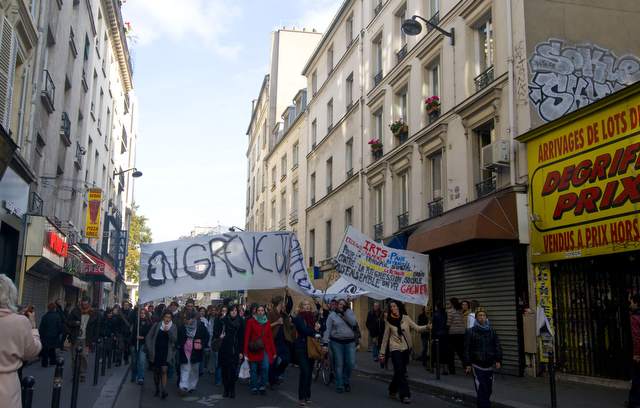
(343, 288)
(231, 261)
(388, 272)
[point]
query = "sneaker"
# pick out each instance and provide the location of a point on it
(133, 379)
(347, 388)
(254, 392)
(339, 390)
(183, 391)
(192, 391)
(140, 382)
(263, 392)
(157, 393)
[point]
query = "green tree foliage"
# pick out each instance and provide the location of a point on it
(139, 233)
(233, 294)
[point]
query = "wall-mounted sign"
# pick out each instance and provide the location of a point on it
(13, 209)
(57, 244)
(93, 214)
(122, 238)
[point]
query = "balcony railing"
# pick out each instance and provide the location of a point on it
(329, 189)
(293, 217)
(65, 129)
(377, 78)
(313, 200)
(330, 128)
(35, 204)
(402, 53)
(377, 156)
(72, 43)
(486, 187)
(79, 153)
(282, 224)
(434, 117)
(84, 81)
(378, 8)
(125, 140)
(435, 207)
(350, 106)
(349, 173)
(377, 231)
(117, 215)
(121, 181)
(404, 136)
(434, 20)
(403, 220)
(126, 103)
(48, 93)
(313, 145)
(484, 79)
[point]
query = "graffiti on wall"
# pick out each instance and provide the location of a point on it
(521, 73)
(566, 78)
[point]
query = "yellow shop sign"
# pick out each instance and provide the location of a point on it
(584, 180)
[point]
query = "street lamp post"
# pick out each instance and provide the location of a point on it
(136, 173)
(413, 27)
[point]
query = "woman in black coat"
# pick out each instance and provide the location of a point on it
(439, 332)
(51, 328)
(231, 330)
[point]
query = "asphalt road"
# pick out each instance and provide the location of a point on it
(366, 392)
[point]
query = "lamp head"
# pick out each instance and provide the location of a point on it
(136, 173)
(411, 27)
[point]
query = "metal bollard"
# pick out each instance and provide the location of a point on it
(552, 379)
(27, 391)
(57, 383)
(109, 356)
(437, 359)
(102, 353)
(96, 366)
(76, 378)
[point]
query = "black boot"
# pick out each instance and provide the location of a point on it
(232, 393)
(225, 394)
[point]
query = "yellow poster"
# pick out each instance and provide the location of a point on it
(93, 213)
(585, 182)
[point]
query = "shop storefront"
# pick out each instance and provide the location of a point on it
(476, 252)
(95, 271)
(585, 233)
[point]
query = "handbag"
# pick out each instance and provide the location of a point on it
(256, 345)
(217, 343)
(314, 349)
(197, 344)
(376, 342)
(356, 330)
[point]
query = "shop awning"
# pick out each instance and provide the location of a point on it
(94, 269)
(488, 218)
(74, 282)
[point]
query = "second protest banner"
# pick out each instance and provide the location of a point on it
(389, 272)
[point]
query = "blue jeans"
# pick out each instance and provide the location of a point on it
(344, 358)
(376, 351)
(138, 362)
(264, 372)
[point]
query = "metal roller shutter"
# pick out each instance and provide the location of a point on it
(35, 292)
(488, 276)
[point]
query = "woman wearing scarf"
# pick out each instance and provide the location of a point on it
(160, 341)
(231, 331)
(257, 328)
(138, 356)
(306, 325)
(192, 337)
(397, 334)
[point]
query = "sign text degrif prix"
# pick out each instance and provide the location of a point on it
(585, 184)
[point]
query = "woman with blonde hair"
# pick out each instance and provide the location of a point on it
(306, 325)
(20, 341)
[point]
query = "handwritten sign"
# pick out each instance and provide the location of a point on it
(384, 271)
(231, 261)
(342, 289)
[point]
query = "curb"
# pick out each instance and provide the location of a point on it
(111, 390)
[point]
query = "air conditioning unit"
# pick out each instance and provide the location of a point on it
(496, 155)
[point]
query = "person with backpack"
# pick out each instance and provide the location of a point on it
(397, 335)
(342, 335)
(259, 349)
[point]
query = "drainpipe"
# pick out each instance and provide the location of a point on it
(23, 99)
(36, 79)
(511, 131)
(361, 101)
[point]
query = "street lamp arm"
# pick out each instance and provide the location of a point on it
(430, 24)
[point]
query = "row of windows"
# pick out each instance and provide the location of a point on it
(328, 249)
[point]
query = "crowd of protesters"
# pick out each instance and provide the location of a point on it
(221, 340)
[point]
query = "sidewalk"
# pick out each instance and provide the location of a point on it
(102, 395)
(515, 392)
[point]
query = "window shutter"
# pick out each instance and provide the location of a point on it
(6, 70)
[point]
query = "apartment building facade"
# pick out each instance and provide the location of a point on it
(452, 182)
(73, 123)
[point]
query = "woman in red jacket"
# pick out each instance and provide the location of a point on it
(259, 349)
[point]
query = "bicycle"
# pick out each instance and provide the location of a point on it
(327, 367)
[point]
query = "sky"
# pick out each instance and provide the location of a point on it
(197, 65)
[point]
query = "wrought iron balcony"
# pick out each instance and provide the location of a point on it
(403, 220)
(484, 79)
(330, 128)
(401, 53)
(378, 8)
(313, 145)
(293, 217)
(126, 103)
(350, 106)
(65, 129)
(349, 173)
(329, 189)
(313, 200)
(35, 204)
(435, 207)
(377, 156)
(85, 86)
(117, 215)
(378, 231)
(404, 136)
(433, 20)
(377, 78)
(434, 116)
(78, 157)
(72, 43)
(282, 224)
(486, 187)
(48, 93)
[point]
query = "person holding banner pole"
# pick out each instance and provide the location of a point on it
(281, 328)
(397, 335)
(340, 335)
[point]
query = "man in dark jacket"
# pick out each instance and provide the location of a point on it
(51, 327)
(634, 392)
(60, 311)
(481, 351)
(372, 325)
(84, 323)
(123, 333)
